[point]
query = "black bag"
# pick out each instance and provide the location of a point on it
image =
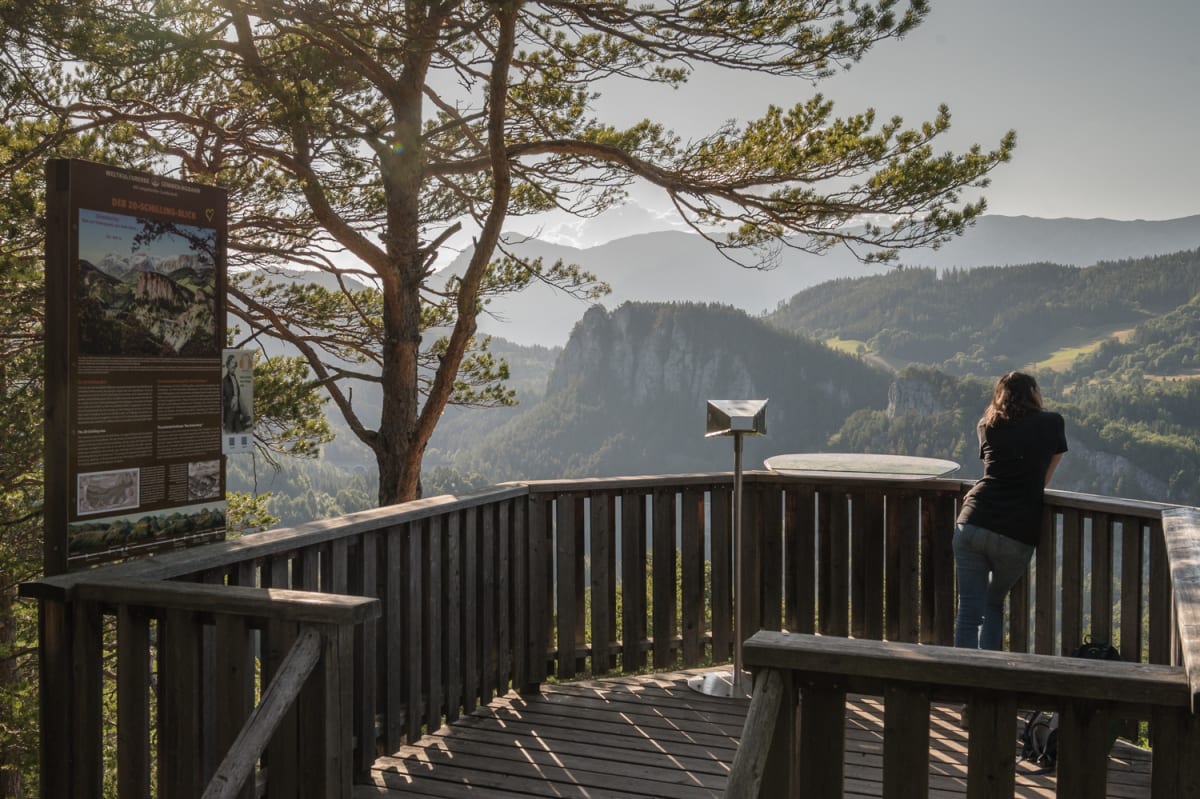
(1095, 651)
(1039, 737)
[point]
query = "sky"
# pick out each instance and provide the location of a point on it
(101, 233)
(1104, 96)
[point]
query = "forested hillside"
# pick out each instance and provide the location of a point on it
(628, 394)
(1166, 346)
(668, 265)
(988, 320)
(1139, 440)
(1115, 346)
(343, 478)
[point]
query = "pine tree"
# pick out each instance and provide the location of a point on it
(357, 138)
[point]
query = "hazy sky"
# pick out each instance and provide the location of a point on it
(101, 233)
(1104, 96)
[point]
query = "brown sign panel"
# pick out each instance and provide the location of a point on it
(135, 325)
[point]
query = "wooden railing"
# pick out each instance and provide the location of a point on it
(188, 661)
(828, 556)
(801, 683)
(792, 744)
(502, 589)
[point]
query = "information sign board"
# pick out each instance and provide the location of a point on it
(135, 327)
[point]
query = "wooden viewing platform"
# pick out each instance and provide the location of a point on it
(282, 664)
(654, 737)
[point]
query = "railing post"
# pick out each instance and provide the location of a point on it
(538, 591)
(1176, 741)
(568, 581)
(58, 758)
(179, 709)
(937, 519)
(366, 654)
(991, 768)
(905, 741)
(326, 752)
(1083, 746)
(664, 611)
(633, 579)
(1046, 589)
(133, 703)
(822, 736)
(85, 698)
(903, 568)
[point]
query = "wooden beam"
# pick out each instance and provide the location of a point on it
(277, 699)
(746, 776)
(231, 600)
(990, 764)
(1044, 677)
(1181, 529)
(822, 757)
(905, 741)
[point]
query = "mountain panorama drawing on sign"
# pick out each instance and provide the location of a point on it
(146, 288)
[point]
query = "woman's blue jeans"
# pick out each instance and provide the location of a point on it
(988, 566)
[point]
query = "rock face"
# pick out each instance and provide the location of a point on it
(906, 395)
(627, 394)
(1111, 475)
(644, 355)
(156, 288)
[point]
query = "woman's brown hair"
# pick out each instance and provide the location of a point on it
(1016, 395)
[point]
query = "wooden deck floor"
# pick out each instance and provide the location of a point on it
(655, 737)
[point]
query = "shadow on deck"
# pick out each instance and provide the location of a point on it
(653, 736)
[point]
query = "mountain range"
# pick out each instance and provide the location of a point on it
(673, 265)
(128, 267)
(1113, 342)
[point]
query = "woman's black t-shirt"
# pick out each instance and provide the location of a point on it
(1016, 454)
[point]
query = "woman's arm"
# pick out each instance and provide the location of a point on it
(1054, 459)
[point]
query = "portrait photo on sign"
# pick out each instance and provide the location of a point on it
(146, 288)
(237, 391)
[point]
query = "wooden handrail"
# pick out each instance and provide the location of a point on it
(258, 604)
(954, 673)
(184, 562)
(1181, 528)
(815, 673)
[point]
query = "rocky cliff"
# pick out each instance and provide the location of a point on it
(628, 393)
(642, 354)
(160, 289)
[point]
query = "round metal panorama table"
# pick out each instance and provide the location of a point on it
(856, 465)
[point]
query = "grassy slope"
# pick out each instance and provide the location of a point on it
(1055, 355)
